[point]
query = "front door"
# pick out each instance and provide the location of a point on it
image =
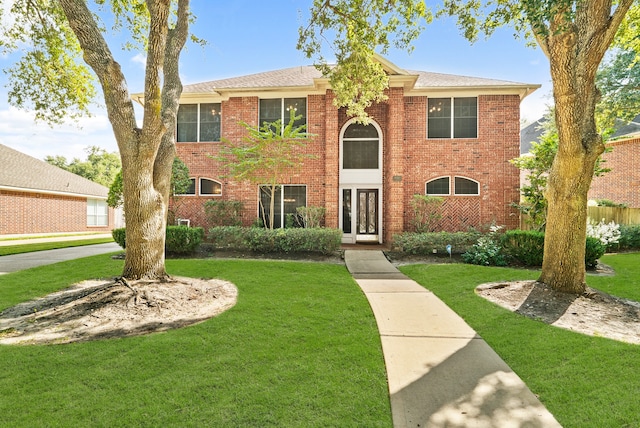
(367, 216)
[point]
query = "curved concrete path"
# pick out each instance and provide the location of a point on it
(440, 372)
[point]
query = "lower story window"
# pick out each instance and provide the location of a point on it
(97, 212)
(286, 199)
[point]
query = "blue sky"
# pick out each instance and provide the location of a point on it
(250, 36)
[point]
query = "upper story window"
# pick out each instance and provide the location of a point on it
(452, 118)
(360, 147)
(280, 109)
(198, 122)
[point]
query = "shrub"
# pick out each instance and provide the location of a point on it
(428, 243)
(607, 233)
(525, 247)
(260, 240)
(487, 251)
(182, 239)
(426, 212)
(119, 236)
(310, 216)
(629, 237)
(223, 213)
(593, 251)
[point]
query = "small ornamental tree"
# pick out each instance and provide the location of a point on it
(264, 155)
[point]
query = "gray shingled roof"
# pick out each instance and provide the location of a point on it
(25, 172)
(303, 77)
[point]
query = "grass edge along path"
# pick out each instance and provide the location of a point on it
(584, 381)
(300, 348)
(51, 245)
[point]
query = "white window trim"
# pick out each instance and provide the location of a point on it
(195, 189)
(95, 203)
(284, 119)
(208, 194)
(282, 217)
(198, 125)
(437, 194)
(464, 194)
(451, 136)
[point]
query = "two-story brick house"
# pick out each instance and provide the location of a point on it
(436, 134)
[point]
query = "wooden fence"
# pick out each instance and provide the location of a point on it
(617, 214)
(609, 214)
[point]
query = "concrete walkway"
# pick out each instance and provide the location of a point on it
(440, 372)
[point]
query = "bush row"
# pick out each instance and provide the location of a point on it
(289, 240)
(422, 244)
(629, 238)
(526, 247)
(179, 239)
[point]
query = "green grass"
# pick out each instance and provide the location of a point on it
(584, 381)
(299, 349)
(41, 246)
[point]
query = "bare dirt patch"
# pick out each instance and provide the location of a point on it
(96, 309)
(594, 313)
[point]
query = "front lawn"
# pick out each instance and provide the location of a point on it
(584, 381)
(300, 348)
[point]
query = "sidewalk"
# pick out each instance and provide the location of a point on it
(27, 239)
(440, 372)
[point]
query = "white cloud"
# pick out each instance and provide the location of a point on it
(139, 59)
(19, 131)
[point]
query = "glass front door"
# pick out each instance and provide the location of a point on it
(367, 216)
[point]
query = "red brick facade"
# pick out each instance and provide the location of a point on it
(622, 183)
(409, 161)
(29, 213)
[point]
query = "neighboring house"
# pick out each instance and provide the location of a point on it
(620, 185)
(437, 134)
(36, 197)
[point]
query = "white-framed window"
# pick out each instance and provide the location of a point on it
(361, 147)
(198, 123)
(438, 187)
(209, 187)
(191, 190)
(465, 186)
(286, 199)
(272, 109)
(97, 212)
(452, 117)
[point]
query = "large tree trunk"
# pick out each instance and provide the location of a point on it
(147, 153)
(575, 49)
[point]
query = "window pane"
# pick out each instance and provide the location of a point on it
(210, 187)
(358, 130)
(210, 122)
(465, 122)
(464, 186)
(439, 118)
(346, 210)
(270, 111)
(360, 154)
(294, 197)
(187, 123)
(265, 204)
(299, 107)
(439, 186)
(192, 188)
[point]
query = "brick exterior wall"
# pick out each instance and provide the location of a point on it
(622, 183)
(410, 159)
(28, 213)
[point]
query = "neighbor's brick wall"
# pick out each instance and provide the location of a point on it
(27, 213)
(622, 183)
(408, 156)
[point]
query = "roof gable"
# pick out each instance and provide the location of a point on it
(23, 172)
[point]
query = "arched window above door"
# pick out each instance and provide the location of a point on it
(360, 147)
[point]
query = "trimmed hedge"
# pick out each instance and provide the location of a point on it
(526, 247)
(289, 240)
(179, 239)
(423, 244)
(629, 237)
